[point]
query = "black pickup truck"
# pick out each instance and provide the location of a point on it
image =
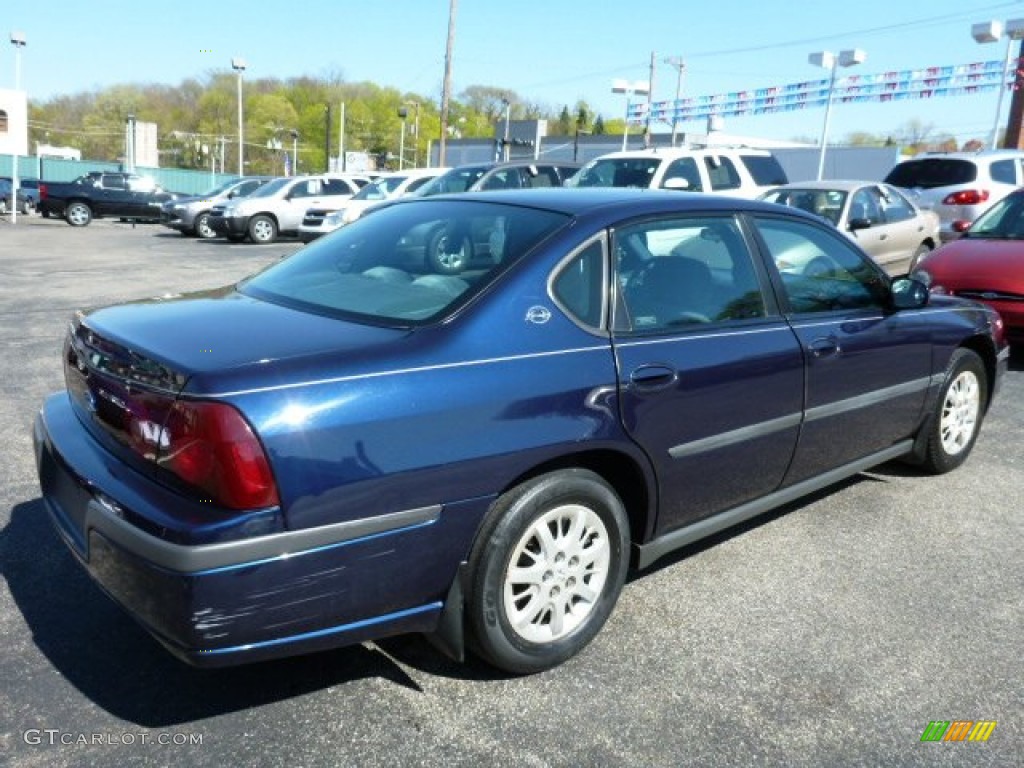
(124, 195)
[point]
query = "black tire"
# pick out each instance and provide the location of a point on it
(262, 229)
(202, 228)
(78, 214)
(442, 259)
(44, 213)
(577, 580)
(954, 425)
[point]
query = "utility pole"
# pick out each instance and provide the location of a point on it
(680, 64)
(327, 140)
(650, 96)
(1013, 137)
(446, 89)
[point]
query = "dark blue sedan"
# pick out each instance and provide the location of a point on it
(356, 443)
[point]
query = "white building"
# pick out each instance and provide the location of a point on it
(13, 122)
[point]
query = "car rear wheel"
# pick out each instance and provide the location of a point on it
(78, 214)
(262, 229)
(203, 228)
(546, 570)
(957, 417)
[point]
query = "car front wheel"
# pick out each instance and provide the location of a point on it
(262, 230)
(203, 228)
(546, 570)
(78, 215)
(957, 417)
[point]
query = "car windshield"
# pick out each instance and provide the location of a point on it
(381, 189)
(616, 172)
(271, 187)
(1003, 221)
(931, 172)
(455, 180)
(219, 188)
(410, 263)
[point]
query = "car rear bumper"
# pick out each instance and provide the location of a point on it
(252, 598)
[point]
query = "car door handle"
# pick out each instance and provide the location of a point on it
(826, 346)
(652, 377)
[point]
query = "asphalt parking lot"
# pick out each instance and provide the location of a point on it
(828, 634)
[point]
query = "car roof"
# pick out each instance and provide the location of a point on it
(841, 185)
(672, 152)
(579, 201)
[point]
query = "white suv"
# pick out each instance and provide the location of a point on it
(959, 186)
(278, 206)
(737, 172)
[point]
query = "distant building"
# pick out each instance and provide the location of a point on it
(13, 123)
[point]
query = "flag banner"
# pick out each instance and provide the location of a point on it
(927, 83)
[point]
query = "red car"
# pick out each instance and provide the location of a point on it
(986, 264)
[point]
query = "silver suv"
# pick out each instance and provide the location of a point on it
(959, 186)
(278, 206)
(191, 215)
(737, 172)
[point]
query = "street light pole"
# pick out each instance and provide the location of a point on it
(18, 41)
(990, 32)
(830, 61)
(238, 64)
(505, 136)
(402, 113)
(638, 87)
(295, 152)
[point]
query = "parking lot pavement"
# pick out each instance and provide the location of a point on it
(830, 633)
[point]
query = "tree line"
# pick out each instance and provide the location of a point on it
(198, 120)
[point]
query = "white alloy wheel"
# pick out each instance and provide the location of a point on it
(960, 411)
(556, 573)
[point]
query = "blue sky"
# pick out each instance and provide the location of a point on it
(552, 52)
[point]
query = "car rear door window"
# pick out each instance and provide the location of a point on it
(684, 272)
(1003, 172)
(894, 206)
(722, 173)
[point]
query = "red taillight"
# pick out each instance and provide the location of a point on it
(43, 191)
(960, 225)
(966, 197)
(211, 447)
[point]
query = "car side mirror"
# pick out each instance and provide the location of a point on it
(856, 224)
(908, 293)
(676, 182)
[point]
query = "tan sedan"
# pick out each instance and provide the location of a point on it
(876, 216)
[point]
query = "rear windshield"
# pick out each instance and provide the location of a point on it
(408, 263)
(930, 172)
(765, 170)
